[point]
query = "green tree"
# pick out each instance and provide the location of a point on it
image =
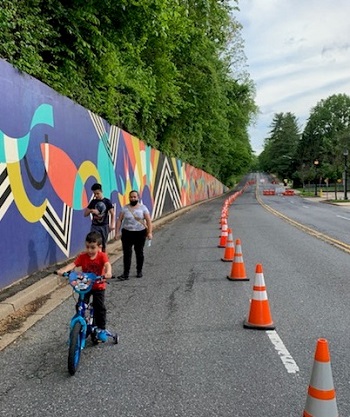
(326, 135)
(280, 151)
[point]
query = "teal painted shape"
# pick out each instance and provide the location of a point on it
(42, 115)
(77, 193)
(134, 185)
(148, 164)
(106, 170)
(22, 145)
(2, 147)
(179, 165)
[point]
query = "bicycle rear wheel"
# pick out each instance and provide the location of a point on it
(74, 348)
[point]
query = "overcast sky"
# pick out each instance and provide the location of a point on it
(298, 53)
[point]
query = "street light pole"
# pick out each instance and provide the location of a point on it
(316, 165)
(345, 153)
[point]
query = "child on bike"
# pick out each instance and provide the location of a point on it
(96, 261)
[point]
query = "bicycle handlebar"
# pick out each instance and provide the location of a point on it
(82, 281)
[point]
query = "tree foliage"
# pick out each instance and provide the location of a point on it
(160, 69)
(326, 135)
(323, 140)
(280, 152)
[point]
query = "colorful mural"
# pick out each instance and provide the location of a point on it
(51, 152)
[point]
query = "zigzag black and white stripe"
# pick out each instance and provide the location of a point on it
(6, 197)
(110, 140)
(59, 229)
(167, 197)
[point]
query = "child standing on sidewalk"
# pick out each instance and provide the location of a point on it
(102, 212)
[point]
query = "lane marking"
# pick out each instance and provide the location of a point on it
(286, 358)
(342, 217)
(335, 242)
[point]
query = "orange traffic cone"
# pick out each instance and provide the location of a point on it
(223, 237)
(238, 272)
(259, 315)
(229, 249)
(223, 220)
(321, 401)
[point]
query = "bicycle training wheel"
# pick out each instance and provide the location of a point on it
(74, 348)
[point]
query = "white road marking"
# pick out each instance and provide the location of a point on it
(342, 217)
(282, 351)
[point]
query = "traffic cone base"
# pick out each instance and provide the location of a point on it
(247, 325)
(236, 279)
(259, 316)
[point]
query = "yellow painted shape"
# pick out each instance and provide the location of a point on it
(28, 210)
(88, 169)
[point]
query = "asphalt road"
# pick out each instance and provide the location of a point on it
(183, 350)
(333, 220)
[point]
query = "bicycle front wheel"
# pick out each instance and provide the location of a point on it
(74, 348)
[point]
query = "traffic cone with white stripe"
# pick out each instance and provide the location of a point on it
(321, 399)
(223, 237)
(229, 249)
(223, 220)
(259, 316)
(238, 272)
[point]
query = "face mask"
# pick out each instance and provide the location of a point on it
(133, 203)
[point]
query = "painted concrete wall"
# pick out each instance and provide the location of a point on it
(51, 152)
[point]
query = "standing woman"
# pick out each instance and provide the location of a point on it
(134, 224)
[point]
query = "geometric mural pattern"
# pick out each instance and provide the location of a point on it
(51, 152)
(167, 194)
(59, 228)
(6, 197)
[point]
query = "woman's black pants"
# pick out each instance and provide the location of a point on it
(137, 240)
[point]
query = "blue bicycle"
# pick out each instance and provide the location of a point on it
(82, 323)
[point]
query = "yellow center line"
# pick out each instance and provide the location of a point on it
(335, 242)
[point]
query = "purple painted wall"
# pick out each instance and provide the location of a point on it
(51, 152)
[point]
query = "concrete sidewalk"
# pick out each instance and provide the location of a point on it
(329, 197)
(51, 291)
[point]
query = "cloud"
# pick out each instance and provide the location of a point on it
(298, 52)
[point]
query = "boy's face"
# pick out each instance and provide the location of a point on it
(92, 248)
(98, 194)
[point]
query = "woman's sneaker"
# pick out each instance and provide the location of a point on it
(123, 277)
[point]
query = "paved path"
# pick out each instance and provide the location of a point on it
(56, 289)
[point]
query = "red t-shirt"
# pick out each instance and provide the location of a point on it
(93, 265)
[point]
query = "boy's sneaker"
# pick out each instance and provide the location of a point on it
(102, 336)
